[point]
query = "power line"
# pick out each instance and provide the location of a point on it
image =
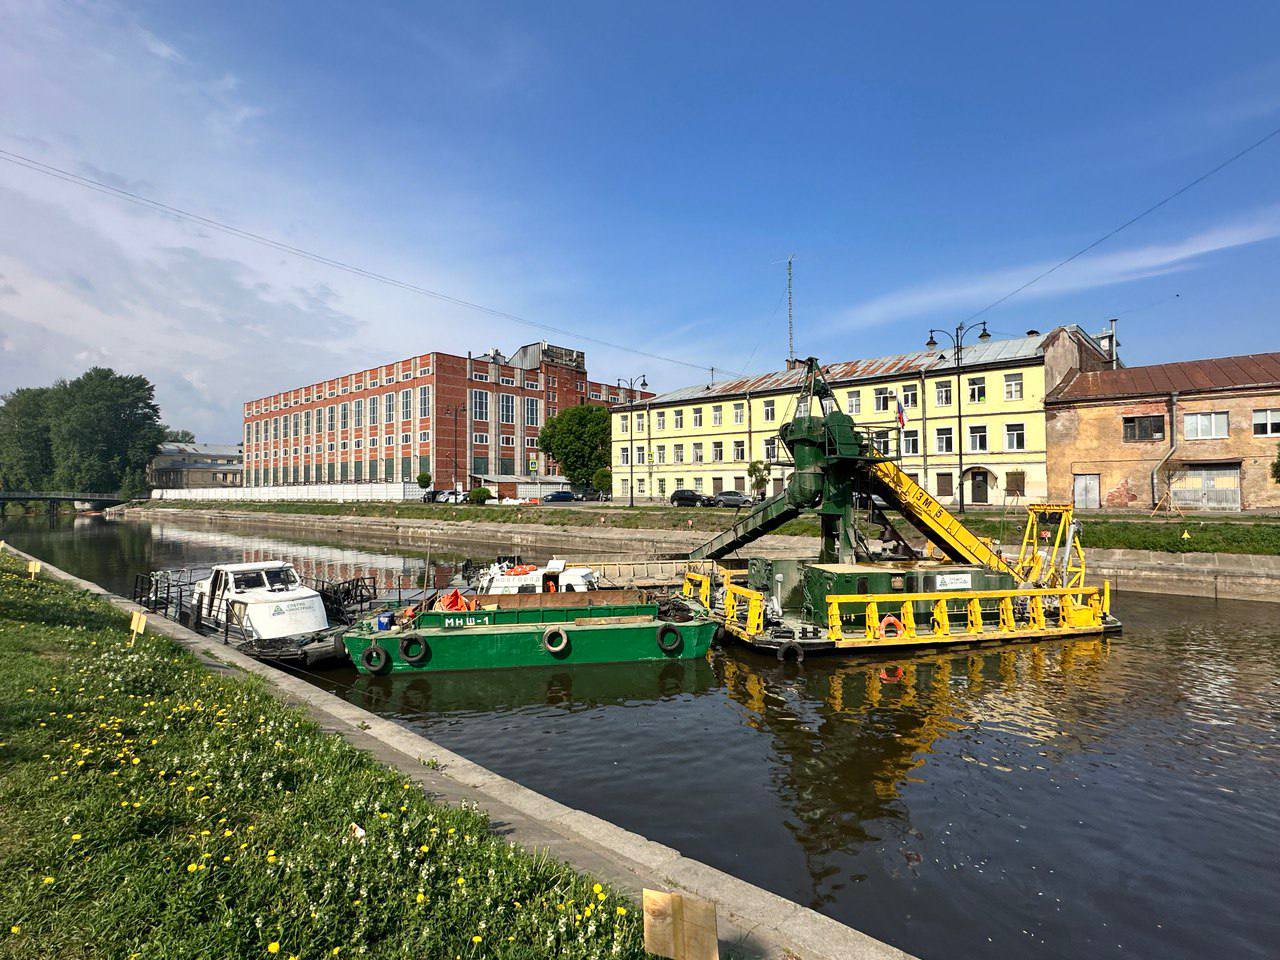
(1128, 223)
(58, 173)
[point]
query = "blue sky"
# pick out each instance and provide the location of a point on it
(636, 174)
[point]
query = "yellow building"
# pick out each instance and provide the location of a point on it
(985, 418)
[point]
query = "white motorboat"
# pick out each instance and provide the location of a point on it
(264, 601)
(554, 577)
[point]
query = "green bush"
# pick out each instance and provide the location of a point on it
(480, 495)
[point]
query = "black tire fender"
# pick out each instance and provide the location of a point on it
(670, 639)
(407, 654)
(376, 660)
(792, 648)
(555, 640)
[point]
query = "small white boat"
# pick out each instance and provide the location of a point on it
(265, 600)
(555, 577)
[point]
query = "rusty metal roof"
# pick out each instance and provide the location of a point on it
(1161, 379)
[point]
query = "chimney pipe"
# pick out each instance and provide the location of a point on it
(1115, 346)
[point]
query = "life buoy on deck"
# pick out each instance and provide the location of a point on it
(891, 621)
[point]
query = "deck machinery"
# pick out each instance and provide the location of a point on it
(880, 591)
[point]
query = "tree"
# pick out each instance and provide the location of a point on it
(424, 480)
(758, 475)
(178, 436)
(480, 495)
(602, 480)
(1275, 467)
(26, 461)
(578, 439)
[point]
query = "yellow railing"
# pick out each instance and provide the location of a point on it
(1018, 612)
(751, 622)
(697, 586)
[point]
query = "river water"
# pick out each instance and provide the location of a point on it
(1073, 799)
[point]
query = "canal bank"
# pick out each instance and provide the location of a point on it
(1225, 576)
(754, 922)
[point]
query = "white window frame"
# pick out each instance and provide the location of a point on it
(941, 434)
(1269, 419)
(978, 432)
(1013, 388)
(1214, 419)
(1018, 431)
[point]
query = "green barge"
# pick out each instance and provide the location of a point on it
(528, 635)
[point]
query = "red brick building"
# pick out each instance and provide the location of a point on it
(468, 421)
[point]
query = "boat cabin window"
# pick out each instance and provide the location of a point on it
(281, 578)
(249, 580)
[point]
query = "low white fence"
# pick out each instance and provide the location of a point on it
(312, 491)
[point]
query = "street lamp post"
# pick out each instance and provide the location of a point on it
(957, 341)
(631, 454)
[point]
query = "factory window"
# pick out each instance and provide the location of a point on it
(275, 428)
(508, 440)
(739, 449)
(357, 413)
(910, 442)
(1205, 426)
(739, 413)
(677, 453)
(342, 445)
(482, 377)
(978, 439)
(344, 415)
(533, 385)
(424, 401)
(406, 438)
(1137, 429)
(531, 442)
(717, 451)
(507, 408)
(531, 412)
(942, 393)
(329, 418)
(945, 488)
(717, 415)
(910, 395)
(677, 419)
(977, 389)
(479, 438)
(406, 404)
(697, 416)
(1015, 483)
(697, 453)
(622, 423)
(386, 441)
(359, 443)
(944, 440)
(373, 411)
(479, 405)
(881, 401)
(595, 394)
(359, 470)
(624, 455)
(771, 449)
(1266, 423)
(661, 451)
(284, 427)
(1013, 386)
(660, 420)
(388, 407)
(507, 381)
(769, 411)
(373, 382)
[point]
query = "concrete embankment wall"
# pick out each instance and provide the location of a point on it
(753, 923)
(1221, 576)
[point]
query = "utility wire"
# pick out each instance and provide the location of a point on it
(1128, 223)
(60, 174)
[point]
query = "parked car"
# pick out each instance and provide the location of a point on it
(559, 496)
(689, 498)
(732, 498)
(598, 496)
(449, 496)
(435, 496)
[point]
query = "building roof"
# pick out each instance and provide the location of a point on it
(199, 465)
(843, 373)
(1161, 379)
(200, 449)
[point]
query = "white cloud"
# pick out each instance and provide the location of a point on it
(1096, 270)
(158, 47)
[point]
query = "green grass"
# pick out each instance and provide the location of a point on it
(152, 809)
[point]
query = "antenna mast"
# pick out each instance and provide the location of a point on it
(791, 325)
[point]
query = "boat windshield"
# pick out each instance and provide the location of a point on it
(281, 578)
(248, 580)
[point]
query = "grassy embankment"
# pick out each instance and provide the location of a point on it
(150, 808)
(1241, 535)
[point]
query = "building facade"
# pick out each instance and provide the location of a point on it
(468, 421)
(1198, 435)
(183, 466)
(984, 419)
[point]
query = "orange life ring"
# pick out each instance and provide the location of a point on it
(891, 621)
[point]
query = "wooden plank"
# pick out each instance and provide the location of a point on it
(680, 926)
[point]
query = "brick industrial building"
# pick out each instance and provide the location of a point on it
(468, 421)
(1201, 434)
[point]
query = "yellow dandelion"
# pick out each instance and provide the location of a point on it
(15, 929)
(48, 879)
(461, 880)
(597, 888)
(476, 939)
(75, 836)
(192, 868)
(273, 947)
(421, 897)
(622, 911)
(135, 761)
